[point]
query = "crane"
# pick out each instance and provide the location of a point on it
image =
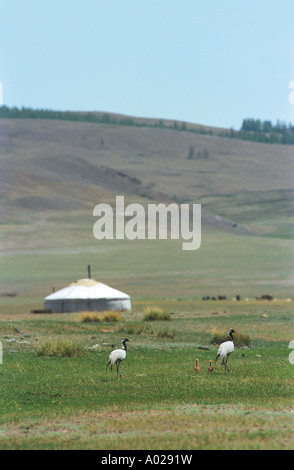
(197, 367)
(117, 356)
(225, 349)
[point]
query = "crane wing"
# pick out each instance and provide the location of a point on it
(117, 354)
(225, 349)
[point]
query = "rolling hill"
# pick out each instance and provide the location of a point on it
(61, 165)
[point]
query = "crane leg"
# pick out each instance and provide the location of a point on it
(226, 365)
(117, 370)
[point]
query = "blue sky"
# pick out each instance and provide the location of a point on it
(212, 63)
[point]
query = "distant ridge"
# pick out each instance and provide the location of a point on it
(251, 129)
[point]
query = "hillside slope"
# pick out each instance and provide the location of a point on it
(66, 168)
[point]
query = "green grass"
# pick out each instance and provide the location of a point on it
(50, 402)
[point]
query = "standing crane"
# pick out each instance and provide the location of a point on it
(225, 349)
(118, 355)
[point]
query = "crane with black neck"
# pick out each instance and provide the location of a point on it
(225, 349)
(117, 356)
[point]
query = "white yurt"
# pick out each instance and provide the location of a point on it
(87, 295)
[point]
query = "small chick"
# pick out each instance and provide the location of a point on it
(197, 367)
(210, 368)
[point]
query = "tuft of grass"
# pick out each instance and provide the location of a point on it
(166, 333)
(112, 316)
(240, 339)
(109, 316)
(136, 329)
(60, 348)
(89, 317)
(156, 314)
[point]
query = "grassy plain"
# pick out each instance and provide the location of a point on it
(160, 403)
(226, 264)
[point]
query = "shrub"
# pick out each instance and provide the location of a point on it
(88, 317)
(240, 339)
(60, 348)
(109, 316)
(166, 333)
(156, 314)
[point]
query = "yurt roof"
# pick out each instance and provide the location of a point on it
(87, 289)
